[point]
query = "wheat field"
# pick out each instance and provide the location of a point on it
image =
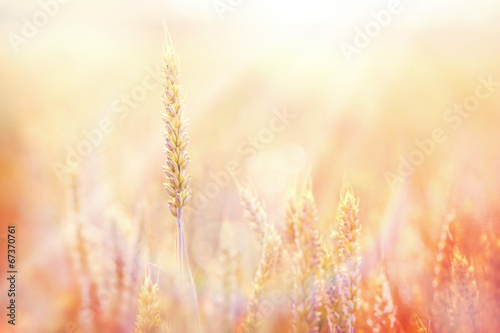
(250, 166)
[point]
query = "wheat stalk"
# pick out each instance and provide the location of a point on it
(177, 158)
(176, 142)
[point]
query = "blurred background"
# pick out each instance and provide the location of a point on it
(273, 89)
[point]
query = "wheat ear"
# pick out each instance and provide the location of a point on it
(176, 142)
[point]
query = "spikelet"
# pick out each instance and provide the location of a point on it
(149, 319)
(306, 263)
(349, 258)
(462, 313)
(384, 314)
(176, 136)
(265, 272)
(254, 212)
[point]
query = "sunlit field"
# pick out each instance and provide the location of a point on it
(249, 166)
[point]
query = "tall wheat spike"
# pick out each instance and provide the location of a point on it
(177, 160)
(149, 317)
(349, 258)
(176, 142)
(271, 250)
(306, 261)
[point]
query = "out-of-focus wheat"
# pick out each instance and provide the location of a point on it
(442, 268)
(331, 296)
(420, 327)
(349, 280)
(291, 213)
(302, 224)
(384, 313)
(263, 277)
(271, 249)
(121, 278)
(491, 268)
(227, 281)
(254, 212)
(462, 311)
(149, 317)
(443, 272)
(90, 309)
